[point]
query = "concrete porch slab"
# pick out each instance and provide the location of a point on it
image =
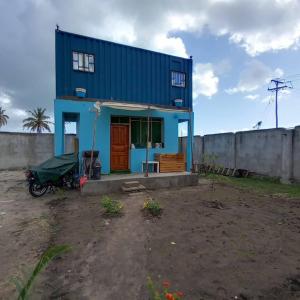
(113, 183)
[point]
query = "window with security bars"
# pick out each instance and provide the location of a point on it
(83, 62)
(139, 127)
(178, 79)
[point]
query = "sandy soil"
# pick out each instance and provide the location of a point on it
(24, 229)
(211, 244)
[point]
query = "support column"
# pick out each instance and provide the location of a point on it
(287, 157)
(59, 136)
(190, 137)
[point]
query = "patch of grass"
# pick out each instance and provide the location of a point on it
(112, 207)
(262, 185)
(152, 207)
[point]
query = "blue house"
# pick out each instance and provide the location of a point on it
(121, 92)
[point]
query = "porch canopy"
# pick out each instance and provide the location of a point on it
(138, 107)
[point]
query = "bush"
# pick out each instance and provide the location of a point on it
(152, 207)
(112, 207)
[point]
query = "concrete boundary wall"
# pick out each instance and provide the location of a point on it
(296, 153)
(222, 146)
(20, 150)
(270, 152)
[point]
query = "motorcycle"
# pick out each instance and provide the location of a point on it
(68, 181)
(59, 171)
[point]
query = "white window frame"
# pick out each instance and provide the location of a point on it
(178, 79)
(83, 62)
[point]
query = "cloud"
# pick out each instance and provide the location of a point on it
(27, 44)
(205, 82)
(5, 99)
(222, 67)
(254, 75)
(252, 97)
(16, 115)
(17, 112)
(282, 95)
(169, 45)
(257, 26)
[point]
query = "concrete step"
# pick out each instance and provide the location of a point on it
(131, 183)
(138, 187)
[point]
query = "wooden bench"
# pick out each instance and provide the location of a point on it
(171, 162)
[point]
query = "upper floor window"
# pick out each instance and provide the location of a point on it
(83, 62)
(178, 79)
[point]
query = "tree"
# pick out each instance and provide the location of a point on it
(3, 117)
(38, 121)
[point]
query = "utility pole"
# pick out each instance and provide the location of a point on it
(280, 84)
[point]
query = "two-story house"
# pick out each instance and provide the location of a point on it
(133, 86)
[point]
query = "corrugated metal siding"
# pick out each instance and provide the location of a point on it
(122, 72)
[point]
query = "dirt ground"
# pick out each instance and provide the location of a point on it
(225, 243)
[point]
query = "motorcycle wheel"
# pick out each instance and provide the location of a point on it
(37, 190)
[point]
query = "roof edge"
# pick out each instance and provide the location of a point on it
(120, 44)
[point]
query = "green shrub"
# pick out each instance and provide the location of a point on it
(152, 207)
(112, 207)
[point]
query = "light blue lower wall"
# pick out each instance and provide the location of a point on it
(85, 131)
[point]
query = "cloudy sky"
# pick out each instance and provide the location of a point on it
(237, 47)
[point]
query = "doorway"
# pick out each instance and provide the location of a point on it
(71, 132)
(119, 147)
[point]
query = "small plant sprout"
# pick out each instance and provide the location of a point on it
(25, 284)
(112, 207)
(209, 162)
(152, 207)
(164, 292)
(210, 165)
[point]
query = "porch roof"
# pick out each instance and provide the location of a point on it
(138, 107)
(117, 104)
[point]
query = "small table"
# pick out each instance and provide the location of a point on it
(151, 162)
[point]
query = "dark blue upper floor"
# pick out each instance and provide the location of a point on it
(111, 71)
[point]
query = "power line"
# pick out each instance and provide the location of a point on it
(296, 79)
(259, 121)
(280, 84)
(292, 75)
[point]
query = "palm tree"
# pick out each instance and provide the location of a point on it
(38, 121)
(3, 117)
